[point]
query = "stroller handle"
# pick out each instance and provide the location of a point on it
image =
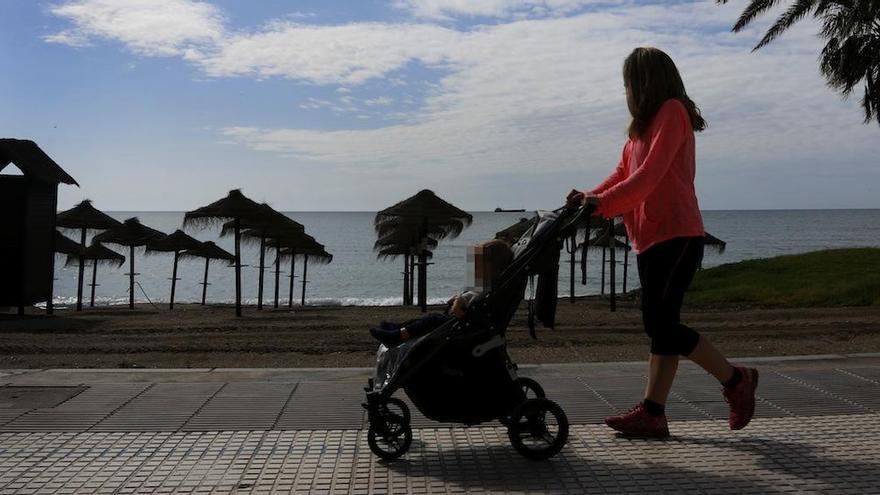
(578, 215)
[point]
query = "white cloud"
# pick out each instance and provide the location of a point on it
(528, 97)
(148, 27)
(444, 9)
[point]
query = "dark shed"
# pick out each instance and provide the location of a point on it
(27, 225)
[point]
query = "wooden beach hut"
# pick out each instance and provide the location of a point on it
(27, 226)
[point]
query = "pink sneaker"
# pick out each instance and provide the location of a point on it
(638, 423)
(741, 398)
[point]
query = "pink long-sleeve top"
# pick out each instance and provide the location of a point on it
(653, 186)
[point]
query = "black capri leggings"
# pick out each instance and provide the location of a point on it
(665, 271)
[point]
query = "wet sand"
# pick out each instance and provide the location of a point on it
(211, 336)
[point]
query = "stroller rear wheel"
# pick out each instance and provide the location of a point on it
(531, 389)
(538, 429)
(390, 434)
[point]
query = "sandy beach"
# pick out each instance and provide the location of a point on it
(211, 336)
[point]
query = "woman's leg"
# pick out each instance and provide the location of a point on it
(661, 374)
(710, 359)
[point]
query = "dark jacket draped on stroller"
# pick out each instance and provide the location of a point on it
(461, 372)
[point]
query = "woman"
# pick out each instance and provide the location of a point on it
(653, 188)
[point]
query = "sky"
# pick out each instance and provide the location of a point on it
(355, 105)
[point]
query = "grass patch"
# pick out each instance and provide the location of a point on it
(834, 277)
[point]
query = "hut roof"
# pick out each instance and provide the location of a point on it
(512, 234)
(425, 207)
(234, 205)
(130, 233)
(715, 242)
(32, 161)
(209, 250)
(65, 245)
(99, 254)
(176, 241)
(85, 216)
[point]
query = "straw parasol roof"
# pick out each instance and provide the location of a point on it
(426, 208)
(512, 234)
(66, 245)
(85, 216)
(715, 242)
(403, 238)
(397, 250)
(130, 233)
(100, 254)
(234, 205)
(174, 242)
(208, 250)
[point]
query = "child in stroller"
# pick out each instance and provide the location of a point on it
(459, 370)
(486, 261)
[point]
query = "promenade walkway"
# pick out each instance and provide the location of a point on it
(817, 429)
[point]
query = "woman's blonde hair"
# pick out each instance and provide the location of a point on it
(652, 78)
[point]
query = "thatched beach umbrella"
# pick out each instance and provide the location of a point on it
(426, 211)
(66, 245)
(314, 251)
(175, 242)
(98, 254)
(84, 217)
(402, 243)
(715, 242)
(209, 251)
(270, 223)
(236, 207)
(131, 233)
(608, 242)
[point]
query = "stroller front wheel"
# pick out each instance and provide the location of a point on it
(390, 435)
(538, 429)
(531, 389)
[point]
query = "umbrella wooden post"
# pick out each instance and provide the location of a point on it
(94, 282)
(205, 283)
(130, 277)
(82, 271)
(237, 266)
(305, 281)
(602, 290)
(613, 266)
(584, 250)
(412, 279)
(405, 278)
(292, 270)
(277, 271)
(572, 253)
(173, 280)
(260, 277)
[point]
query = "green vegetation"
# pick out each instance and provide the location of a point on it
(835, 277)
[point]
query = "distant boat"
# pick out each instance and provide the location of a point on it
(502, 210)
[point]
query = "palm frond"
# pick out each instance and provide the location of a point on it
(794, 13)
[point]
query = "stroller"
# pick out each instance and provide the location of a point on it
(461, 372)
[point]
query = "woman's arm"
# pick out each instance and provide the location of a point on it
(616, 176)
(672, 126)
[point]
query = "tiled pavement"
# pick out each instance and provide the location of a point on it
(222, 431)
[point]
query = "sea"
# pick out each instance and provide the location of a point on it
(356, 277)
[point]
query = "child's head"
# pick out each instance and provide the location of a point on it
(650, 78)
(487, 260)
